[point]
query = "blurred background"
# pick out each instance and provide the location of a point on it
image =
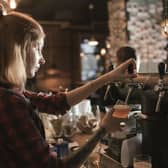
(82, 36)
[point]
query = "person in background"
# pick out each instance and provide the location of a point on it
(124, 53)
(109, 94)
(22, 137)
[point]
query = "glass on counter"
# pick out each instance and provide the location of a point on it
(57, 125)
(142, 161)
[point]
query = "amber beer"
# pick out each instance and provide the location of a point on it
(142, 161)
(121, 110)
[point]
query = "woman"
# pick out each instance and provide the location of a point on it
(22, 141)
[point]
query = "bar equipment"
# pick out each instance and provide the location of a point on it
(155, 127)
(161, 88)
(153, 122)
(123, 145)
(132, 85)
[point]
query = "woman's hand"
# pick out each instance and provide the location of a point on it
(121, 72)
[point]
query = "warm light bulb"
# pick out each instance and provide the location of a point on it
(103, 51)
(108, 45)
(4, 12)
(93, 42)
(82, 55)
(13, 4)
(164, 28)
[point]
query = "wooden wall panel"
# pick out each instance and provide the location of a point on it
(61, 52)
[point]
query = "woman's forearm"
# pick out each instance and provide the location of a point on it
(78, 158)
(120, 73)
(76, 95)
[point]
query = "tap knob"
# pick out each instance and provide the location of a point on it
(130, 69)
(162, 69)
(160, 97)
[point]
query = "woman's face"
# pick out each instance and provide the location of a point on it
(35, 58)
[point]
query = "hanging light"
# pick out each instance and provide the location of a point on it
(3, 10)
(4, 5)
(164, 23)
(164, 27)
(92, 41)
(12, 3)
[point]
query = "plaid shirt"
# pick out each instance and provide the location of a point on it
(21, 143)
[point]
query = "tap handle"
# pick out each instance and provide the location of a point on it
(130, 69)
(162, 69)
(160, 97)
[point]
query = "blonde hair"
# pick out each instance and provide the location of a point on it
(17, 32)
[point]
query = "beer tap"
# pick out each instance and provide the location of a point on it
(132, 85)
(160, 87)
(110, 68)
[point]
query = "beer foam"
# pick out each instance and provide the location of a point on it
(121, 107)
(121, 111)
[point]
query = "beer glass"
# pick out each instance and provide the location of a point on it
(121, 110)
(142, 161)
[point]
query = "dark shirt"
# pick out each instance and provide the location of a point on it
(22, 143)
